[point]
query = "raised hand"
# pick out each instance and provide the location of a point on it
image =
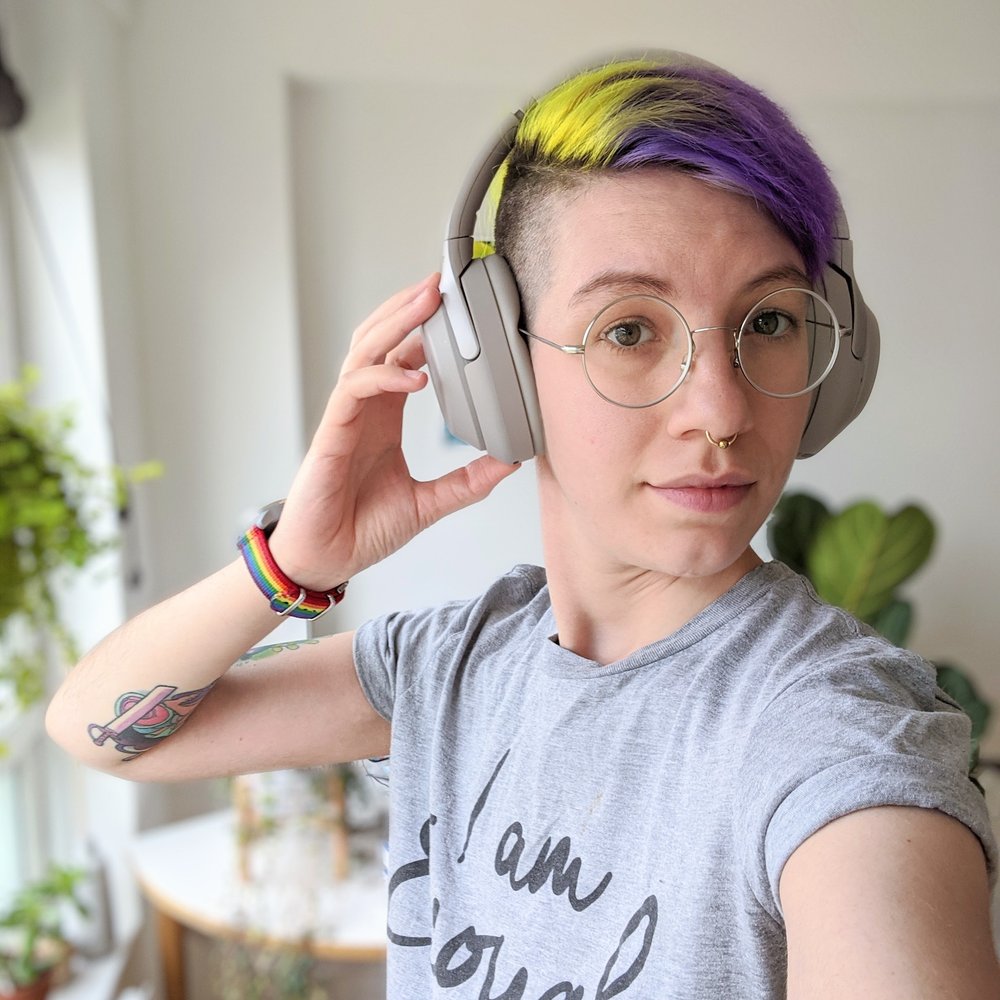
(353, 500)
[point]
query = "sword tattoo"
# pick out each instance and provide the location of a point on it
(144, 718)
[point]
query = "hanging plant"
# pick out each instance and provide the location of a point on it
(48, 504)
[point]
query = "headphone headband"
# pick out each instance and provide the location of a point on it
(477, 181)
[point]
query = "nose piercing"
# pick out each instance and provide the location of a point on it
(722, 443)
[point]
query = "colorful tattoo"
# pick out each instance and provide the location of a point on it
(261, 652)
(144, 718)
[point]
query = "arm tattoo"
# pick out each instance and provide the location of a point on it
(144, 718)
(264, 651)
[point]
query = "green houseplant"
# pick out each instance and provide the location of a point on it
(32, 943)
(858, 558)
(48, 500)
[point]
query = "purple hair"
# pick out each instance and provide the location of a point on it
(682, 114)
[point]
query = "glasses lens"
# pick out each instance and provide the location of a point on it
(636, 350)
(788, 342)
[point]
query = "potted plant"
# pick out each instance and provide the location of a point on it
(32, 943)
(858, 558)
(48, 501)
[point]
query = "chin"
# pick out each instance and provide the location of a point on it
(694, 558)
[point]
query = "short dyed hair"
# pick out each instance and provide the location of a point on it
(669, 111)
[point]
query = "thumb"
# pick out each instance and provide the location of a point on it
(461, 487)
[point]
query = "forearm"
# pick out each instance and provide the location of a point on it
(351, 504)
(139, 685)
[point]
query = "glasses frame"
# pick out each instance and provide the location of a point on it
(737, 332)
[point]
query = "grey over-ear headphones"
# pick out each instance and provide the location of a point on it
(479, 362)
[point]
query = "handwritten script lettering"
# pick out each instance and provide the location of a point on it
(474, 952)
(548, 863)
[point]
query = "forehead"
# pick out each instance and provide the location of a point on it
(665, 229)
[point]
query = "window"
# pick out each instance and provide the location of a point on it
(28, 837)
(41, 792)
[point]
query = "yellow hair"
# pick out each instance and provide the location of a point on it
(583, 121)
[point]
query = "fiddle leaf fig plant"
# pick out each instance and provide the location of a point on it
(857, 559)
(48, 501)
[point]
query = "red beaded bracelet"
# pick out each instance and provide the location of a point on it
(284, 595)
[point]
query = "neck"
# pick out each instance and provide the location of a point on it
(606, 609)
(608, 615)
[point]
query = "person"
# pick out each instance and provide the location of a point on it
(658, 767)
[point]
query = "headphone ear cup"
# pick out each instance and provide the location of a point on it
(845, 391)
(500, 381)
(477, 357)
(479, 362)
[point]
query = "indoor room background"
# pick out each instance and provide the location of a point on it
(229, 186)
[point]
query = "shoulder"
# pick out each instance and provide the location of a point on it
(521, 593)
(394, 651)
(840, 720)
(808, 649)
(830, 690)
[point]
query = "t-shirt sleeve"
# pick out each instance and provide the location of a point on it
(379, 645)
(434, 645)
(874, 731)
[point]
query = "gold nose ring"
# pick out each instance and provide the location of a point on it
(722, 443)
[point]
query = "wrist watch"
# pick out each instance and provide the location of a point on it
(285, 596)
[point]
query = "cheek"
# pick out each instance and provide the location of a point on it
(798, 415)
(562, 389)
(781, 422)
(577, 422)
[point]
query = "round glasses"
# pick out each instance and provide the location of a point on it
(638, 349)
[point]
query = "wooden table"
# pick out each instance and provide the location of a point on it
(189, 873)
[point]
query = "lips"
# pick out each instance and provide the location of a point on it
(706, 494)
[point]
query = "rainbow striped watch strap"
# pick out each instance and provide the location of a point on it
(285, 596)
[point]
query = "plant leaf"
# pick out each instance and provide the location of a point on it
(893, 621)
(952, 681)
(792, 528)
(861, 555)
(907, 547)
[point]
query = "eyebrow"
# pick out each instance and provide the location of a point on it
(639, 281)
(623, 281)
(785, 273)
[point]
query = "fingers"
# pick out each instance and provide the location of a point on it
(384, 359)
(460, 488)
(355, 387)
(393, 303)
(410, 353)
(391, 323)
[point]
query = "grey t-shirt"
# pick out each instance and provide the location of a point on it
(560, 829)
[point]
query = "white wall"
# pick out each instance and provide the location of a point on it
(925, 210)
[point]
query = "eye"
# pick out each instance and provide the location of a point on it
(771, 323)
(627, 333)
